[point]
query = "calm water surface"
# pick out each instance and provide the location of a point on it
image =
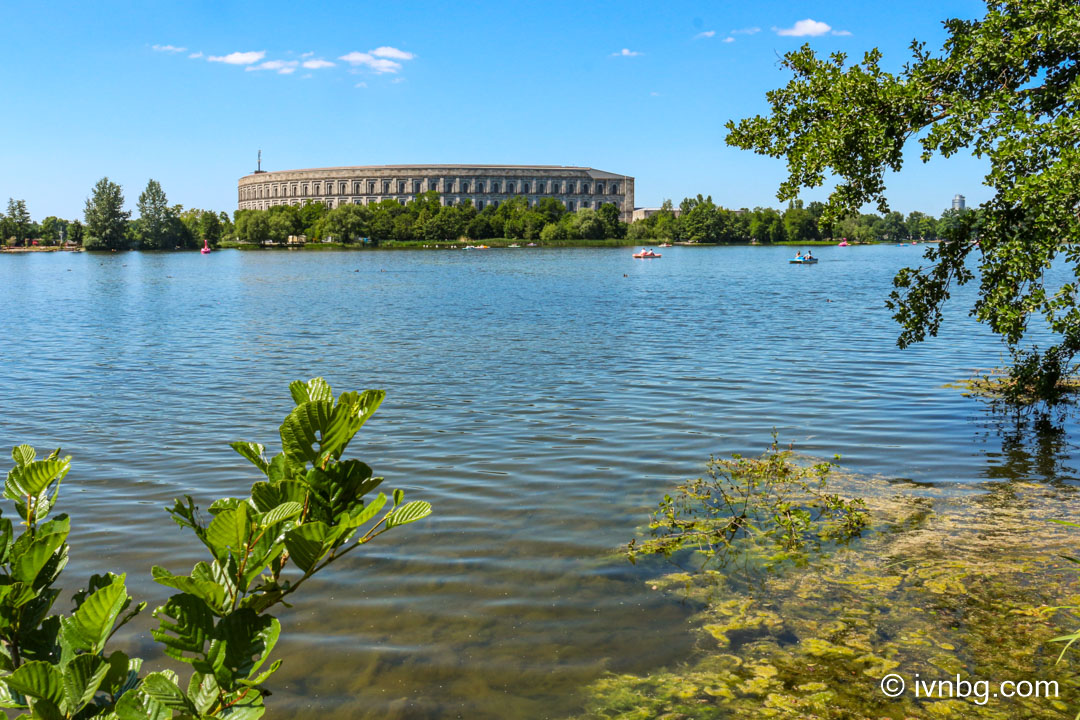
(542, 400)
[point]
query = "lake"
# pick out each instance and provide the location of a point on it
(543, 400)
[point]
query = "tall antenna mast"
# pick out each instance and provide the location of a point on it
(259, 169)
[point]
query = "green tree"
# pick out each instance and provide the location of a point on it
(153, 230)
(19, 220)
(106, 219)
(75, 232)
(52, 228)
(799, 224)
(1002, 87)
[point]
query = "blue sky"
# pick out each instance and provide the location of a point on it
(186, 93)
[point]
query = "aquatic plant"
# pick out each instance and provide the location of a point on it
(312, 509)
(943, 588)
(769, 505)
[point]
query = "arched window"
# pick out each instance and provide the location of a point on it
(416, 187)
(614, 188)
(371, 187)
(585, 189)
(479, 204)
(599, 188)
(479, 186)
(356, 188)
(464, 186)
(525, 188)
(386, 187)
(495, 188)
(401, 187)
(509, 188)
(570, 206)
(343, 189)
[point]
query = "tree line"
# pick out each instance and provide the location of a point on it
(106, 225)
(701, 220)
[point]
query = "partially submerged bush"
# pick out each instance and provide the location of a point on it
(262, 548)
(767, 504)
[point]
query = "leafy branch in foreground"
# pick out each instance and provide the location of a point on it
(1005, 88)
(312, 509)
(742, 506)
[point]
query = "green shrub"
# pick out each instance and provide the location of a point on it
(310, 509)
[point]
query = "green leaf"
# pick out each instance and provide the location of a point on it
(229, 530)
(117, 674)
(23, 454)
(90, 625)
(349, 415)
(301, 430)
(281, 513)
(200, 584)
(82, 678)
(163, 689)
(263, 676)
(30, 560)
(399, 495)
(136, 705)
(38, 679)
(306, 544)
(32, 478)
(254, 453)
(203, 691)
(407, 513)
(185, 624)
(7, 700)
(368, 512)
(268, 496)
(313, 390)
(242, 643)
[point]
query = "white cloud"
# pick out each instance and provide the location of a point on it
(841, 32)
(196, 54)
(654, 94)
(398, 80)
(805, 28)
(706, 34)
(379, 65)
(746, 31)
(239, 58)
(282, 67)
(360, 84)
(729, 39)
(169, 48)
(317, 64)
(307, 54)
(625, 52)
(392, 53)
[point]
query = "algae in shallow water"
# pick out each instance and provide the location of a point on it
(955, 591)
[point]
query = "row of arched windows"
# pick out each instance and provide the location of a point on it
(402, 187)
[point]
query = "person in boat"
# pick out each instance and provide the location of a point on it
(809, 255)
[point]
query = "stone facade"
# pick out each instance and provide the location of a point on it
(576, 187)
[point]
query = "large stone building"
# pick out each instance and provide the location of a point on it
(576, 187)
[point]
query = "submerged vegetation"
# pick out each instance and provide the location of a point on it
(943, 589)
(768, 508)
(311, 509)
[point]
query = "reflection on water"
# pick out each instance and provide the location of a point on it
(542, 400)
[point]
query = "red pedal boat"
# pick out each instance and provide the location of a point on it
(647, 254)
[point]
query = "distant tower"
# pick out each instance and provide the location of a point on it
(958, 203)
(258, 168)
